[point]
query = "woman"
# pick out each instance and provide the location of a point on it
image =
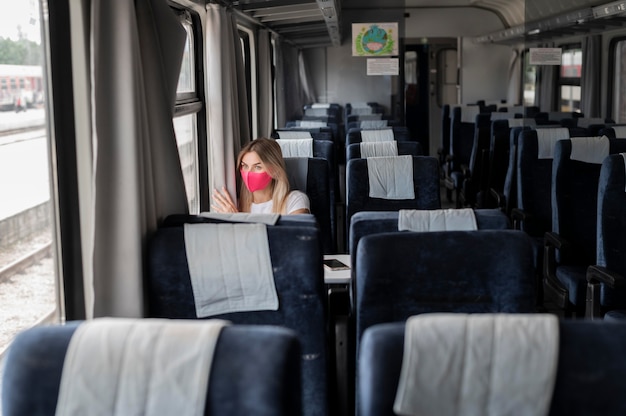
(265, 187)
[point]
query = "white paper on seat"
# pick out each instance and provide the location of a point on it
(373, 124)
(119, 366)
(391, 177)
(478, 365)
(316, 112)
(230, 268)
(312, 123)
(267, 219)
(296, 147)
(469, 113)
(286, 134)
(437, 220)
(547, 138)
(620, 132)
(377, 135)
(590, 149)
(320, 105)
(361, 110)
(379, 149)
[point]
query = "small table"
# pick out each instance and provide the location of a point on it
(337, 277)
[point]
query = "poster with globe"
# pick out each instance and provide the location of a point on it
(374, 39)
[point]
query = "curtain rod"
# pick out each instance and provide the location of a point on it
(251, 19)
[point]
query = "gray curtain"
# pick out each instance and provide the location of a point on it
(545, 96)
(308, 91)
(515, 79)
(129, 72)
(289, 94)
(227, 108)
(266, 102)
(590, 76)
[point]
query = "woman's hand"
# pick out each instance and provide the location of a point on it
(222, 202)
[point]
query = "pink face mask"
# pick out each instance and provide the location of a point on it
(255, 181)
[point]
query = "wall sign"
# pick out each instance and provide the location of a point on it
(545, 56)
(383, 66)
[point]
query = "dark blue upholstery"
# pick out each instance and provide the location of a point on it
(296, 257)
(406, 273)
(609, 132)
(509, 189)
(474, 187)
(461, 143)
(533, 213)
(574, 222)
(608, 274)
(370, 222)
(320, 193)
(255, 371)
(589, 378)
(425, 182)
(353, 151)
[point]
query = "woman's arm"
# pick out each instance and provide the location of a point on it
(222, 202)
(298, 203)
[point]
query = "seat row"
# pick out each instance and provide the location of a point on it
(398, 273)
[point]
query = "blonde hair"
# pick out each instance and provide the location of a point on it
(270, 154)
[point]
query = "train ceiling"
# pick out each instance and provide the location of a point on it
(317, 23)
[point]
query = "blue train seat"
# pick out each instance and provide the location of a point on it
(295, 252)
(425, 192)
(606, 290)
(255, 370)
(589, 371)
(570, 247)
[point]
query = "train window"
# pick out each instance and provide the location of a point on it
(569, 78)
(28, 294)
(618, 65)
(185, 117)
(249, 59)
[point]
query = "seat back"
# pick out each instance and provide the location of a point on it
(312, 176)
(370, 222)
(611, 227)
(462, 135)
(590, 359)
(296, 260)
(353, 151)
(574, 201)
(400, 133)
(534, 184)
(243, 380)
(425, 185)
(476, 182)
(408, 273)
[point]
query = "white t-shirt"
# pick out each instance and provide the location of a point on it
(295, 200)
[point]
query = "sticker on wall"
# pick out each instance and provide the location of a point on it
(383, 66)
(374, 39)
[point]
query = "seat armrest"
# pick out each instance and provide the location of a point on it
(596, 276)
(518, 216)
(555, 240)
(603, 275)
(552, 286)
(498, 197)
